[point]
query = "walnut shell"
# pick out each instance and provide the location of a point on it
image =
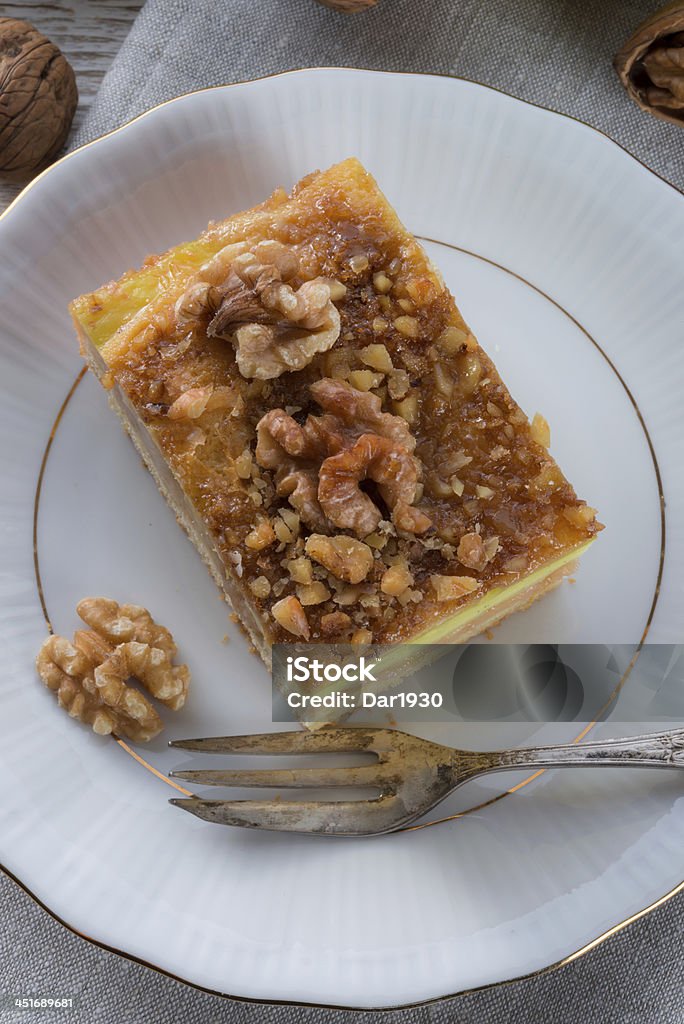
(38, 97)
(651, 64)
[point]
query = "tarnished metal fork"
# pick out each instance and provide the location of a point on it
(411, 774)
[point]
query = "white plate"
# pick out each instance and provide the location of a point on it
(565, 255)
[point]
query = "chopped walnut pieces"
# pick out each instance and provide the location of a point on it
(444, 382)
(580, 516)
(320, 465)
(450, 588)
(90, 675)
(365, 380)
(422, 290)
(470, 372)
(261, 536)
(249, 299)
(291, 519)
(336, 363)
(243, 464)
(190, 405)
(540, 430)
(471, 551)
(396, 580)
(337, 289)
(398, 384)
(547, 481)
(346, 558)
(347, 594)
(439, 488)
(313, 593)
(193, 303)
(407, 408)
(289, 614)
(335, 623)
(362, 636)
(193, 402)
(408, 326)
(452, 340)
(284, 533)
(300, 569)
(491, 546)
(474, 552)
(358, 263)
(377, 357)
(260, 587)
(382, 283)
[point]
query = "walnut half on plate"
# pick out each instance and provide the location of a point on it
(329, 432)
(92, 675)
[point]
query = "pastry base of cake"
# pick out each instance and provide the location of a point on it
(186, 514)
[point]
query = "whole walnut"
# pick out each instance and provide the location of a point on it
(38, 97)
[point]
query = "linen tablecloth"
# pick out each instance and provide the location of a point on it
(556, 53)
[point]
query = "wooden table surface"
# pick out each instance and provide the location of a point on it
(89, 32)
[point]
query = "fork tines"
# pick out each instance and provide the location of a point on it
(331, 741)
(342, 817)
(325, 817)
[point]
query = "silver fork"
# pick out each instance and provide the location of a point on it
(412, 775)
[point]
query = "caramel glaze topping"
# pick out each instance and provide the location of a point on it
(483, 472)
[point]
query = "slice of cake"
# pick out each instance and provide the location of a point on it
(328, 431)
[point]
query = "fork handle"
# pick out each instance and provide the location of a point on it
(655, 750)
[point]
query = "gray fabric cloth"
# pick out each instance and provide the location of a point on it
(553, 52)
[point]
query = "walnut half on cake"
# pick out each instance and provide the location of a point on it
(341, 451)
